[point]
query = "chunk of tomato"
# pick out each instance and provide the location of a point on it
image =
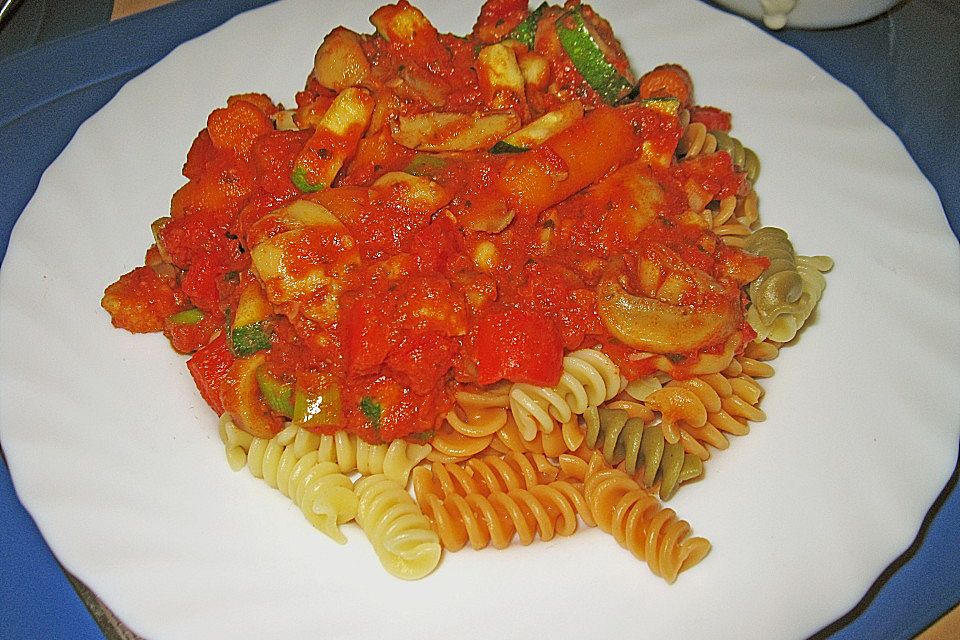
(209, 367)
(520, 346)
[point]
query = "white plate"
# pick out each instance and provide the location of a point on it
(117, 458)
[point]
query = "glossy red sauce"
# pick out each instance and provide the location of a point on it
(430, 302)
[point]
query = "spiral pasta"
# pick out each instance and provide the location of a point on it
(785, 294)
(639, 523)
(401, 535)
(589, 378)
(544, 510)
(470, 426)
(347, 451)
(567, 438)
(753, 360)
(699, 411)
(641, 449)
(317, 487)
(732, 218)
(697, 139)
(350, 453)
(483, 475)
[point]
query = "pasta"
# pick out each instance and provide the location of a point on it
(484, 475)
(567, 438)
(697, 139)
(470, 427)
(589, 378)
(471, 289)
(543, 510)
(639, 523)
(642, 449)
(785, 294)
(400, 534)
(324, 494)
(395, 460)
(348, 452)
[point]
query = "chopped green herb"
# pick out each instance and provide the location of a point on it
(372, 410)
(300, 181)
(506, 147)
(421, 436)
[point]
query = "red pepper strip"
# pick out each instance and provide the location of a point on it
(520, 346)
(209, 367)
(712, 118)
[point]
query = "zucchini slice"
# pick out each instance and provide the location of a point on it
(526, 31)
(586, 51)
(540, 130)
(278, 395)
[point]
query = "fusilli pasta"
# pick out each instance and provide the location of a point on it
(544, 510)
(784, 296)
(323, 493)
(401, 536)
(350, 453)
(697, 139)
(637, 521)
(484, 475)
(589, 378)
(641, 449)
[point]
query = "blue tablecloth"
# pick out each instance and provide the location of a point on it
(905, 65)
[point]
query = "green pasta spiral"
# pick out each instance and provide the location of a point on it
(642, 449)
(743, 157)
(786, 293)
(697, 140)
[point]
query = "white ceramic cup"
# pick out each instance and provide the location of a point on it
(809, 14)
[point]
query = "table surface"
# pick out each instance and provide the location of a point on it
(60, 607)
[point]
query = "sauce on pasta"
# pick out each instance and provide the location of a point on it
(443, 227)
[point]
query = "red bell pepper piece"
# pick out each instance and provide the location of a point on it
(424, 358)
(520, 346)
(368, 334)
(209, 367)
(712, 118)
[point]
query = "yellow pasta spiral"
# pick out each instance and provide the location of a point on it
(639, 523)
(346, 450)
(352, 453)
(317, 487)
(698, 140)
(401, 535)
(732, 218)
(589, 378)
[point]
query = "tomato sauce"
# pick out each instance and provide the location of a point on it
(481, 268)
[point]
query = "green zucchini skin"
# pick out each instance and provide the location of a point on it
(526, 31)
(589, 59)
(506, 147)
